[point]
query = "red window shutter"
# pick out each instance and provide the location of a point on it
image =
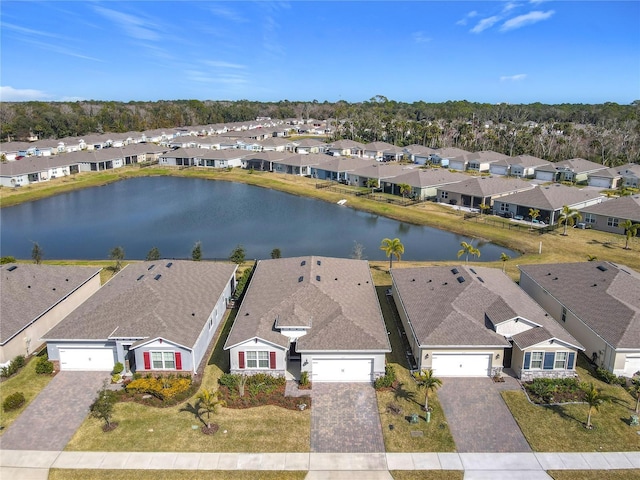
(147, 361)
(272, 360)
(241, 359)
(178, 361)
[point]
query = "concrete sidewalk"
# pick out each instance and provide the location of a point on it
(34, 465)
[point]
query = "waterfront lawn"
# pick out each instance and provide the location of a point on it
(561, 428)
(149, 429)
(71, 474)
(400, 435)
(26, 381)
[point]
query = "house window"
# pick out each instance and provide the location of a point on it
(258, 359)
(561, 360)
(612, 222)
(444, 194)
(589, 218)
(536, 359)
(564, 314)
(163, 360)
(504, 207)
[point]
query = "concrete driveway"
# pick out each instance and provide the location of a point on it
(50, 421)
(478, 418)
(345, 419)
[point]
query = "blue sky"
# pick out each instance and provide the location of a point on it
(511, 51)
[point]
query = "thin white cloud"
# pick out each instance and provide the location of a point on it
(463, 21)
(513, 78)
(485, 23)
(227, 14)
(509, 6)
(420, 37)
(526, 19)
(134, 26)
(10, 94)
(219, 64)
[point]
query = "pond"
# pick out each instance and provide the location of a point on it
(174, 213)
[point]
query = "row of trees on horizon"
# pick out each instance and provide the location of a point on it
(606, 133)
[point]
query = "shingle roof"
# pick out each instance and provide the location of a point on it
(488, 186)
(345, 164)
(576, 165)
(28, 290)
(552, 197)
(172, 300)
(428, 177)
(444, 311)
(380, 170)
(627, 208)
(605, 296)
(302, 160)
(335, 297)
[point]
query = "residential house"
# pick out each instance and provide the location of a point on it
(308, 145)
(102, 159)
(522, 166)
(419, 154)
(549, 200)
(575, 170)
(611, 178)
(476, 161)
(298, 164)
(275, 144)
(443, 156)
(156, 316)
(477, 191)
(376, 171)
(610, 215)
(346, 148)
(382, 151)
(424, 182)
(314, 314)
(475, 321)
(598, 303)
(38, 169)
(35, 298)
(198, 157)
(263, 161)
(338, 169)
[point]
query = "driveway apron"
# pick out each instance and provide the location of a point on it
(50, 421)
(345, 419)
(478, 418)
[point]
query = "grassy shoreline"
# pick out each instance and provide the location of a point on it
(556, 248)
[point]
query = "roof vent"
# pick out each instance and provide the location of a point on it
(12, 268)
(318, 278)
(555, 278)
(319, 262)
(169, 264)
(445, 283)
(157, 277)
(481, 280)
(594, 285)
(472, 271)
(454, 271)
(151, 267)
(413, 279)
(602, 268)
(460, 279)
(139, 278)
(303, 263)
(300, 279)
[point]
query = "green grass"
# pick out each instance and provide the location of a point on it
(26, 381)
(427, 474)
(561, 428)
(436, 436)
(70, 474)
(149, 429)
(594, 474)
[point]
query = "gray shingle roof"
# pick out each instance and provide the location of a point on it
(138, 304)
(627, 208)
(335, 297)
(446, 312)
(488, 186)
(605, 296)
(429, 177)
(552, 197)
(29, 290)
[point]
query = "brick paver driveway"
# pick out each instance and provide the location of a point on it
(345, 419)
(478, 417)
(50, 421)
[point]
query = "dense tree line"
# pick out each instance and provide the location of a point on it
(608, 133)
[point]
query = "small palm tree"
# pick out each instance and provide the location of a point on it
(630, 230)
(372, 183)
(504, 257)
(569, 217)
(534, 213)
(405, 189)
(593, 398)
(209, 401)
(427, 380)
(468, 249)
(392, 248)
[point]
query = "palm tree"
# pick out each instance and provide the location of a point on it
(593, 398)
(630, 230)
(568, 217)
(534, 213)
(504, 257)
(209, 401)
(468, 249)
(392, 248)
(404, 189)
(372, 183)
(429, 382)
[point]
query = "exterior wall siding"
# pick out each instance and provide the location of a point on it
(164, 346)
(281, 358)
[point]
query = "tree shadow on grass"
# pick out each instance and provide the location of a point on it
(400, 393)
(194, 410)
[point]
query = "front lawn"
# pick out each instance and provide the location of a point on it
(561, 428)
(175, 429)
(399, 434)
(26, 381)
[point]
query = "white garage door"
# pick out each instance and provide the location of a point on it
(631, 366)
(86, 359)
(350, 370)
(461, 364)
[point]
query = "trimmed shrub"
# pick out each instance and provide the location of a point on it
(16, 364)
(44, 366)
(387, 380)
(13, 401)
(117, 368)
(160, 387)
(304, 378)
(606, 376)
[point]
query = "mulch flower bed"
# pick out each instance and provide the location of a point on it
(275, 397)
